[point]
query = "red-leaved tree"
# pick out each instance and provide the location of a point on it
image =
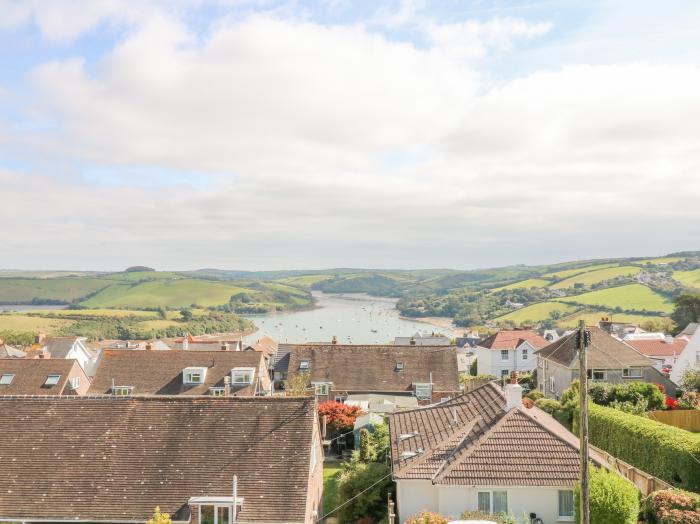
(340, 417)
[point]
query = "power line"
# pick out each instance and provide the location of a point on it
(354, 497)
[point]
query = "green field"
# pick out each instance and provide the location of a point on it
(577, 271)
(536, 312)
(594, 277)
(24, 290)
(154, 325)
(592, 318)
(305, 281)
(629, 297)
(661, 260)
(688, 278)
(524, 284)
(93, 313)
(164, 293)
(19, 322)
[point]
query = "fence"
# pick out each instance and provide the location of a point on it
(688, 419)
(645, 483)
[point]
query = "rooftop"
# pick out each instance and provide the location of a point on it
(512, 339)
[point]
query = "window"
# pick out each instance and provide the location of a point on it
(52, 380)
(304, 364)
(399, 366)
(321, 388)
(75, 382)
(566, 503)
(6, 379)
(193, 376)
(214, 514)
(340, 398)
(492, 501)
(122, 391)
(424, 391)
(242, 375)
(551, 384)
(504, 354)
(632, 372)
(505, 373)
(484, 501)
(217, 392)
(597, 374)
(524, 353)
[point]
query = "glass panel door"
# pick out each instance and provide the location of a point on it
(207, 513)
(222, 515)
(500, 502)
(484, 501)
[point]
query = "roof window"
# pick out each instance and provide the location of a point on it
(6, 379)
(406, 436)
(424, 391)
(399, 366)
(304, 364)
(193, 376)
(52, 380)
(411, 454)
(122, 391)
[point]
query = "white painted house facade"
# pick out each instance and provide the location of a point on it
(508, 351)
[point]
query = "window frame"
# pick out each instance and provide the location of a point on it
(507, 355)
(627, 372)
(189, 372)
(505, 373)
(552, 384)
(592, 372)
(5, 381)
(560, 515)
(122, 391)
(242, 371)
(52, 379)
(217, 391)
(524, 355)
(216, 507)
(491, 496)
(321, 389)
(304, 364)
(400, 366)
(423, 386)
(74, 382)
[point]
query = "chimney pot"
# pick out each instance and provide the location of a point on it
(334, 340)
(412, 341)
(224, 347)
(149, 347)
(514, 395)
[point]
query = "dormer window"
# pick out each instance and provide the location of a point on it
(122, 391)
(52, 380)
(193, 376)
(424, 391)
(6, 379)
(304, 364)
(399, 366)
(242, 375)
(217, 392)
(321, 388)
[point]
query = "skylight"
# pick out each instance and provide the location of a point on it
(304, 364)
(52, 380)
(410, 454)
(399, 366)
(6, 379)
(406, 436)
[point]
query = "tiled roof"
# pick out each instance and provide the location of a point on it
(512, 338)
(11, 352)
(59, 347)
(160, 372)
(112, 459)
(373, 368)
(472, 440)
(605, 352)
(659, 348)
(30, 375)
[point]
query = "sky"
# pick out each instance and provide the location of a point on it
(183, 134)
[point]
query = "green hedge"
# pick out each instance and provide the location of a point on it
(613, 500)
(669, 453)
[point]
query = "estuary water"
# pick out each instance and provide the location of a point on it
(352, 318)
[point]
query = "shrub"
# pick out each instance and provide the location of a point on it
(473, 368)
(661, 450)
(426, 517)
(340, 417)
(498, 518)
(355, 478)
(690, 380)
(672, 507)
(613, 500)
(548, 405)
(535, 395)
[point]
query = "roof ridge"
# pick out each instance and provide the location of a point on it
(454, 401)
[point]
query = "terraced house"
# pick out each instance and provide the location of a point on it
(200, 459)
(19, 376)
(177, 372)
(336, 371)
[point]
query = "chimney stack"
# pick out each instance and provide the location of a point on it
(334, 340)
(224, 346)
(514, 393)
(149, 346)
(412, 341)
(227, 386)
(39, 339)
(606, 324)
(44, 353)
(185, 343)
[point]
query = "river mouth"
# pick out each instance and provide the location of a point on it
(351, 318)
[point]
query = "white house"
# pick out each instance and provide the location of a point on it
(663, 350)
(689, 357)
(484, 451)
(70, 347)
(507, 351)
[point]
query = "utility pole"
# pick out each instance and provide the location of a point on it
(582, 342)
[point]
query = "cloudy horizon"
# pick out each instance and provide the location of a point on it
(263, 135)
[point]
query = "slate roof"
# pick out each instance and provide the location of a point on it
(512, 338)
(11, 352)
(160, 372)
(373, 368)
(59, 347)
(471, 440)
(30, 375)
(605, 352)
(659, 348)
(115, 459)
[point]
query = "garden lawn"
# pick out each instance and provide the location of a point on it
(330, 485)
(635, 297)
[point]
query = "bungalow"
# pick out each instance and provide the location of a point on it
(508, 351)
(200, 459)
(335, 371)
(19, 376)
(689, 357)
(609, 360)
(663, 350)
(217, 373)
(484, 451)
